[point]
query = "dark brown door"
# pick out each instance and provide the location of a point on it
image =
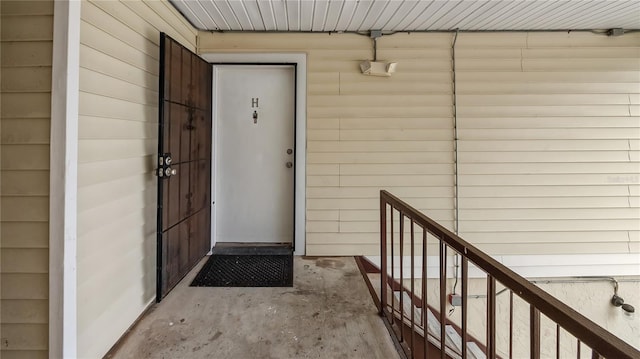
(184, 163)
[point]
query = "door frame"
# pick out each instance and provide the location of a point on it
(63, 181)
(299, 62)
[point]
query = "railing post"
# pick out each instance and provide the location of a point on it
(443, 295)
(464, 294)
(425, 303)
(535, 333)
(383, 253)
(413, 319)
(510, 324)
(401, 229)
(491, 317)
(557, 341)
(579, 345)
(392, 281)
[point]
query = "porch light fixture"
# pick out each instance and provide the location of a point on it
(375, 67)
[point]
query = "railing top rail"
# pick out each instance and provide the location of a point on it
(588, 332)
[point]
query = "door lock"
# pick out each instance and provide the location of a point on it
(289, 151)
(289, 164)
(164, 170)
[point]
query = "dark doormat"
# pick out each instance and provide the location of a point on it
(246, 270)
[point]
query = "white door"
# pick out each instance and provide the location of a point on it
(255, 153)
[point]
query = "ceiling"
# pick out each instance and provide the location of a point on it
(414, 15)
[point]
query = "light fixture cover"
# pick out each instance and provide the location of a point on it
(378, 68)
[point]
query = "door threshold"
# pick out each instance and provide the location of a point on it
(252, 249)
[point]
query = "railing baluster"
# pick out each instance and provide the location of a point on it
(393, 280)
(510, 324)
(464, 294)
(578, 356)
(443, 294)
(534, 333)
(491, 317)
(413, 319)
(383, 255)
(557, 341)
(401, 276)
(425, 302)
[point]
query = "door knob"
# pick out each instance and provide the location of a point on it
(289, 164)
(168, 172)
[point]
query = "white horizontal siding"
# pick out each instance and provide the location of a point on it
(118, 127)
(26, 50)
(546, 148)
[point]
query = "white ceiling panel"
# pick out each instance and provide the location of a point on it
(447, 8)
(253, 12)
(227, 13)
(307, 10)
(346, 13)
(320, 15)
(266, 11)
(196, 20)
(280, 14)
(527, 12)
(403, 13)
(384, 18)
(504, 10)
(240, 13)
(293, 15)
(483, 12)
(409, 15)
(359, 15)
(374, 14)
(333, 14)
(454, 19)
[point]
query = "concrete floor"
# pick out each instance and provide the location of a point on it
(328, 313)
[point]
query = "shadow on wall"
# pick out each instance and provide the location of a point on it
(150, 240)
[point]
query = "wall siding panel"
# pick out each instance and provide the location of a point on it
(26, 53)
(548, 132)
(367, 133)
(118, 127)
(545, 152)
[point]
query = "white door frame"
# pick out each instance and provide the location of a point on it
(300, 132)
(63, 180)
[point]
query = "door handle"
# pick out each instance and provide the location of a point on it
(289, 164)
(168, 172)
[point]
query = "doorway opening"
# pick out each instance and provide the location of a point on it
(259, 139)
(254, 154)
